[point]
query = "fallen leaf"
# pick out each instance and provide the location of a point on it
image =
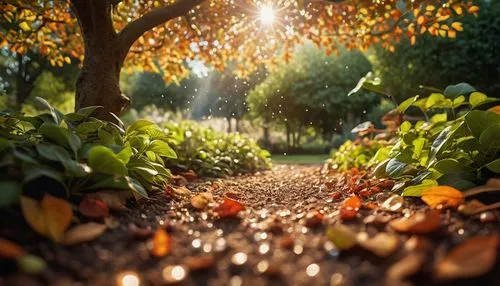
(404, 268)
(161, 243)
(113, 199)
(31, 264)
(420, 222)
(350, 207)
(179, 180)
(9, 249)
(314, 219)
(471, 207)
(472, 258)
(83, 233)
(179, 193)
(445, 196)
(417, 243)
(50, 217)
(342, 236)
(229, 208)
(382, 244)
(190, 175)
(201, 200)
(93, 208)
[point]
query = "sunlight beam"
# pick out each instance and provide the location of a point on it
(267, 15)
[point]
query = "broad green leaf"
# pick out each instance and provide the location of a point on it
(463, 88)
(418, 145)
(87, 111)
(163, 149)
(403, 106)
(490, 138)
(137, 189)
(449, 165)
(421, 103)
(103, 160)
(494, 166)
(10, 192)
(61, 136)
(88, 127)
(139, 124)
(478, 121)
(125, 154)
(442, 140)
(56, 115)
(396, 168)
(405, 127)
(459, 101)
(35, 172)
(476, 98)
(416, 191)
(440, 117)
(105, 137)
(437, 100)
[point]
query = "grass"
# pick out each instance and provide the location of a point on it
(299, 159)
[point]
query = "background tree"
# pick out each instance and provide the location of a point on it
(212, 31)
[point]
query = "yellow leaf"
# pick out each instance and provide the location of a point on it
(33, 214)
(473, 9)
(457, 26)
(458, 9)
(24, 26)
(442, 195)
(452, 34)
(420, 20)
(413, 40)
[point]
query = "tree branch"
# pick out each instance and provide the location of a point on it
(153, 18)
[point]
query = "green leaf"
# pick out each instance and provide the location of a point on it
(10, 192)
(459, 101)
(59, 154)
(421, 103)
(437, 100)
(449, 165)
(163, 149)
(490, 138)
(463, 88)
(88, 127)
(395, 168)
(43, 104)
(137, 188)
(125, 154)
(403, 106)
(139, 124)
(31, 264)
(442, 140)
(476, 98)
(418, 145)
(33, 173)
(478, 121)
(440, 117)
(494, 166)
(5, 144)
(105, 137)
(87, 111)
(405, 127)
(61, 136)
(416, 191)
(103, 160)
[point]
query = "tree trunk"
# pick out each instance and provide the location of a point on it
(98, 82)
(229, 129)
(25, 81)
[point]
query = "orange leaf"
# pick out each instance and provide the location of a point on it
(350, 207)
(9, 249)
(417, 223)
(472, 258)
(420, 20)
(495, 109)
(49, 218)
(442, 195)
(457, 26)
(229, 208)
(161, 243)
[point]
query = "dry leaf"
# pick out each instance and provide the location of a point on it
(382, 244)
(161, 243)
(113, 199)
(229, 208)
(350, 207)
(177, 193)
(472, 258)
(406, 267)
(9, 249)
(83, 233)
(190, 175)
(201, 200)
(420, 222)
(442, 195)
(93, 208)
(51, 217)
(342, 236)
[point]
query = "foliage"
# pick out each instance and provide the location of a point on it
(50, 27)
(73, 154)
(212, 153)
(457, 146)
(471, 57)
(355, 154)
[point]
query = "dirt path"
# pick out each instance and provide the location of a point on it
(275, 241)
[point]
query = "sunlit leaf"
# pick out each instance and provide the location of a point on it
(83, 233)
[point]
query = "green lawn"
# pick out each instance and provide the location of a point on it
(299, 159)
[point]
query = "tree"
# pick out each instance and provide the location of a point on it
(212, 31)
(472, 57)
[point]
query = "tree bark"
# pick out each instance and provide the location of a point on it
(105, 51)
(27, 74)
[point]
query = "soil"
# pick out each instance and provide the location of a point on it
(275, 241)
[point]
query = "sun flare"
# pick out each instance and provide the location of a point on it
(267, 15)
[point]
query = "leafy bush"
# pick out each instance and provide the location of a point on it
(354, 154)
(457, 145)
(73, 154)
(212, 153)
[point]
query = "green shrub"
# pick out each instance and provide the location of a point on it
(354, 154)
(212, 153)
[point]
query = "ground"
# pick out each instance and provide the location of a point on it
(274, 241)
(301, 159)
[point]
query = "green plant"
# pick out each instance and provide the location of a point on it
(73, 154)
(457, 144)
(212, 153)
(354, 154)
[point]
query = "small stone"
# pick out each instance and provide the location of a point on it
(393, 204)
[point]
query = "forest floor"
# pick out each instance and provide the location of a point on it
(278, 239)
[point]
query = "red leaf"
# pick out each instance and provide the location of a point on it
(229, 208)
(161, 243)
(350, 207)
(336, 195)
(94, 208)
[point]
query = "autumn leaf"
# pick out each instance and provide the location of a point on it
(382, 244)
(93, 208)
(342, 236)
(350, 207)
(177, 193)
(229, 208)
(9, 249)
(495, 109)
(83, 233)
(420, 222)
(201, 200)
(51, 217)
(442, 195)
(114, 200)
(472, 258)
(161, 243)
(404, 268)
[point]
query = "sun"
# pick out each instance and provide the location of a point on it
(266, 15)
